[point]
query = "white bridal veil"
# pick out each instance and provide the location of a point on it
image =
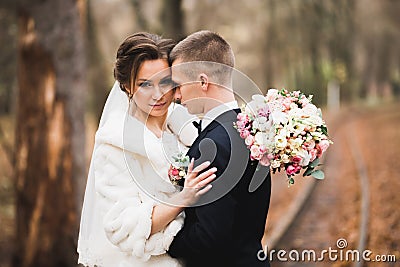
(117, 100)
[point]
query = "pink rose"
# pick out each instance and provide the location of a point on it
(286, 103)
(175, 172)
(244, 133)
(310, 145)
(313, 153)
(264, 160)
(323, 145)
(290, 170)
(264, 112)
(243, 117)
(255, 152)
(262, 149)
(249, 140)
(304, 101)
(297, 159)
(241, 124)
(293, 169)
(297, 168)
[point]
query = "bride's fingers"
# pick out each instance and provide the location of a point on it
(207, 173)
(201, 167)
(204, 190)
(206, 181)
(190, 167)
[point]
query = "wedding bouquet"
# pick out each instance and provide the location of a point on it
(177, 170)
(284, 130)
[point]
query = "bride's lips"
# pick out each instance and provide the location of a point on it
(158, 105)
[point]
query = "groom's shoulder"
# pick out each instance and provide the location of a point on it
(224, 122)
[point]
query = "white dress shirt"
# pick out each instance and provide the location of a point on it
(213, 113)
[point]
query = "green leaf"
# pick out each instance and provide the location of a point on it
(324, 130)
(314, 163)
(318, 174)
(308, 171)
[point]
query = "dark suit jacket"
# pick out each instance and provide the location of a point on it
(226, 227)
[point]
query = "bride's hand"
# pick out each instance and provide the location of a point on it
(196, 184)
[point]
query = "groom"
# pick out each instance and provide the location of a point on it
(226, 225)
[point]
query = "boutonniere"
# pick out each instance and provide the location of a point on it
(177, 170)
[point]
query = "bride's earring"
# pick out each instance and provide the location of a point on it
(130, 95)
(132, 105)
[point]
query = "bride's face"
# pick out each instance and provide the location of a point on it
(153, 88)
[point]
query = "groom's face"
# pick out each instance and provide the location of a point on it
(189, 91)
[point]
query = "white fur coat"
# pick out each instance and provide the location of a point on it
(130, 167)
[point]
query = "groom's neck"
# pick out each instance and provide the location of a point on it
(217, 95)
(215, 102)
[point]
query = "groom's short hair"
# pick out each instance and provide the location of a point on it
(203, 46)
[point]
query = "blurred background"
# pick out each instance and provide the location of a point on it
(57, 59)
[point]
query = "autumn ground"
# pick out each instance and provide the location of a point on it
(333, 210)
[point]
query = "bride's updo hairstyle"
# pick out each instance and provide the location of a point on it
(136, 49)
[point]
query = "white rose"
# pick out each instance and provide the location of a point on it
(251, 108)
(295, 112)
(293, 106)
(262, 124)
(280, 142)
(298, 128)
(313, 120)
(296, 143)
(271, 134)
(271, 94)
(305, 156)
(275, 164)
(261, 138)
(279, 117)
(310, 110)
(285, 158)
(283, 132)
(317, 135)
(275, 105)
(260, 99)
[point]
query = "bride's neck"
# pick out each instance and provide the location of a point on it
(154, 124)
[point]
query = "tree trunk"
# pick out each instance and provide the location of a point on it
(172, 18)
(99, 88)
(49, 152)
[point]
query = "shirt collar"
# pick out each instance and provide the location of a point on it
(213, 113)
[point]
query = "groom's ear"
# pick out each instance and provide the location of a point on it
(204, 81)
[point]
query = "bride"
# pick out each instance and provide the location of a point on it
(127, 218)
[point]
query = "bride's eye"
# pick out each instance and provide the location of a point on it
(145, 84)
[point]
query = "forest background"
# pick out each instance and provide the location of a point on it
(57, 58)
